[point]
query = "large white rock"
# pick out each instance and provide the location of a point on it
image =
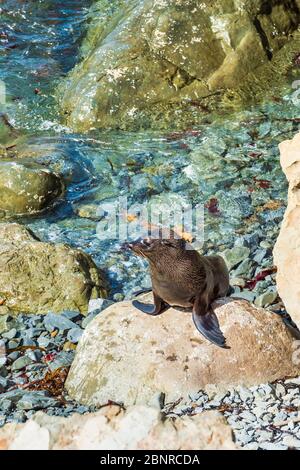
(287, 248)
(127, 356)
(112, 428)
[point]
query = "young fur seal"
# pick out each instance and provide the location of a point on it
(182, 277)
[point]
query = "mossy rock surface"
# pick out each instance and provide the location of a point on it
(166, 63)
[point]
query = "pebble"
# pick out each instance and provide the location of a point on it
(10, 334)
(234, 256)
(98, 305)
(35, 401)
(20, 363)
(266, 299)
(4, 325)
(88, 319)
(246, 295)
(54, 321)
(74, 335)
(272, 446)
(291, 441)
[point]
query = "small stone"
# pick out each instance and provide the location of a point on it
(266, 299)
(280, 390)
(43, 341)
(4, 326)
(3, 384)
(20, 363)
(243, 437)
(251, 446)
(35, 401)
(235, 255)
(272, 446)
(68, 346)
(265, 244)
(71, 315)
(248, 416)
(13, 355)
(118, 297)
(74, 335)
(88, 319)
(263, 436)
(244, 268)
(98, 304)
(259, 255)
(237, 281)
(245, 294)
(245, 394)
(291, 441)
(10, 334)
(5, 405)
(13, 343)
(62, 359)
(54, 321)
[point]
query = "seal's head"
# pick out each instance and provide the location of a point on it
(153, 248)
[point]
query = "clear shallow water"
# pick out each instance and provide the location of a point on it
(233, 159)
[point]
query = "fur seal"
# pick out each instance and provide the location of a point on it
(181, 277)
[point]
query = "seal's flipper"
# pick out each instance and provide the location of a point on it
(159, 306)
(142, 291)
(207, 326)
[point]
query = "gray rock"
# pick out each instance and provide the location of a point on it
(53, 321)
(291, 441)
(4, 325)
(265, 299)
(98, 305)
(43, 341)
(248, 416)
(272, 446)
(259, 255)
(88, 319)
(10, 334)
(63, 359)
(74, 335)
(245, 294)
(13, 343)
(71, 315)
(3, 384)
(5, 405)
(35, 401)
(243, 269)
(20, 363)
(235, 255)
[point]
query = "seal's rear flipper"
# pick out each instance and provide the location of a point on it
(159, 306)
(208, 326)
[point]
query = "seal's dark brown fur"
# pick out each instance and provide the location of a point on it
(182, 277)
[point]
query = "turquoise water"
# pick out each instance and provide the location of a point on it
(233, 159)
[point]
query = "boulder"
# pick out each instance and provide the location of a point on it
(163, 63)
(287, 249)
(38, 277)
(130, 357)
(112, 428)
(27, 188)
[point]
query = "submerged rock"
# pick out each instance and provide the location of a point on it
(27, 188)
(113, 428)
(40, 277)
(287, 248)
(150, 355)
(165, 63)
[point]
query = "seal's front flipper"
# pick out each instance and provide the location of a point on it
(159, 306)
(207, 322)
